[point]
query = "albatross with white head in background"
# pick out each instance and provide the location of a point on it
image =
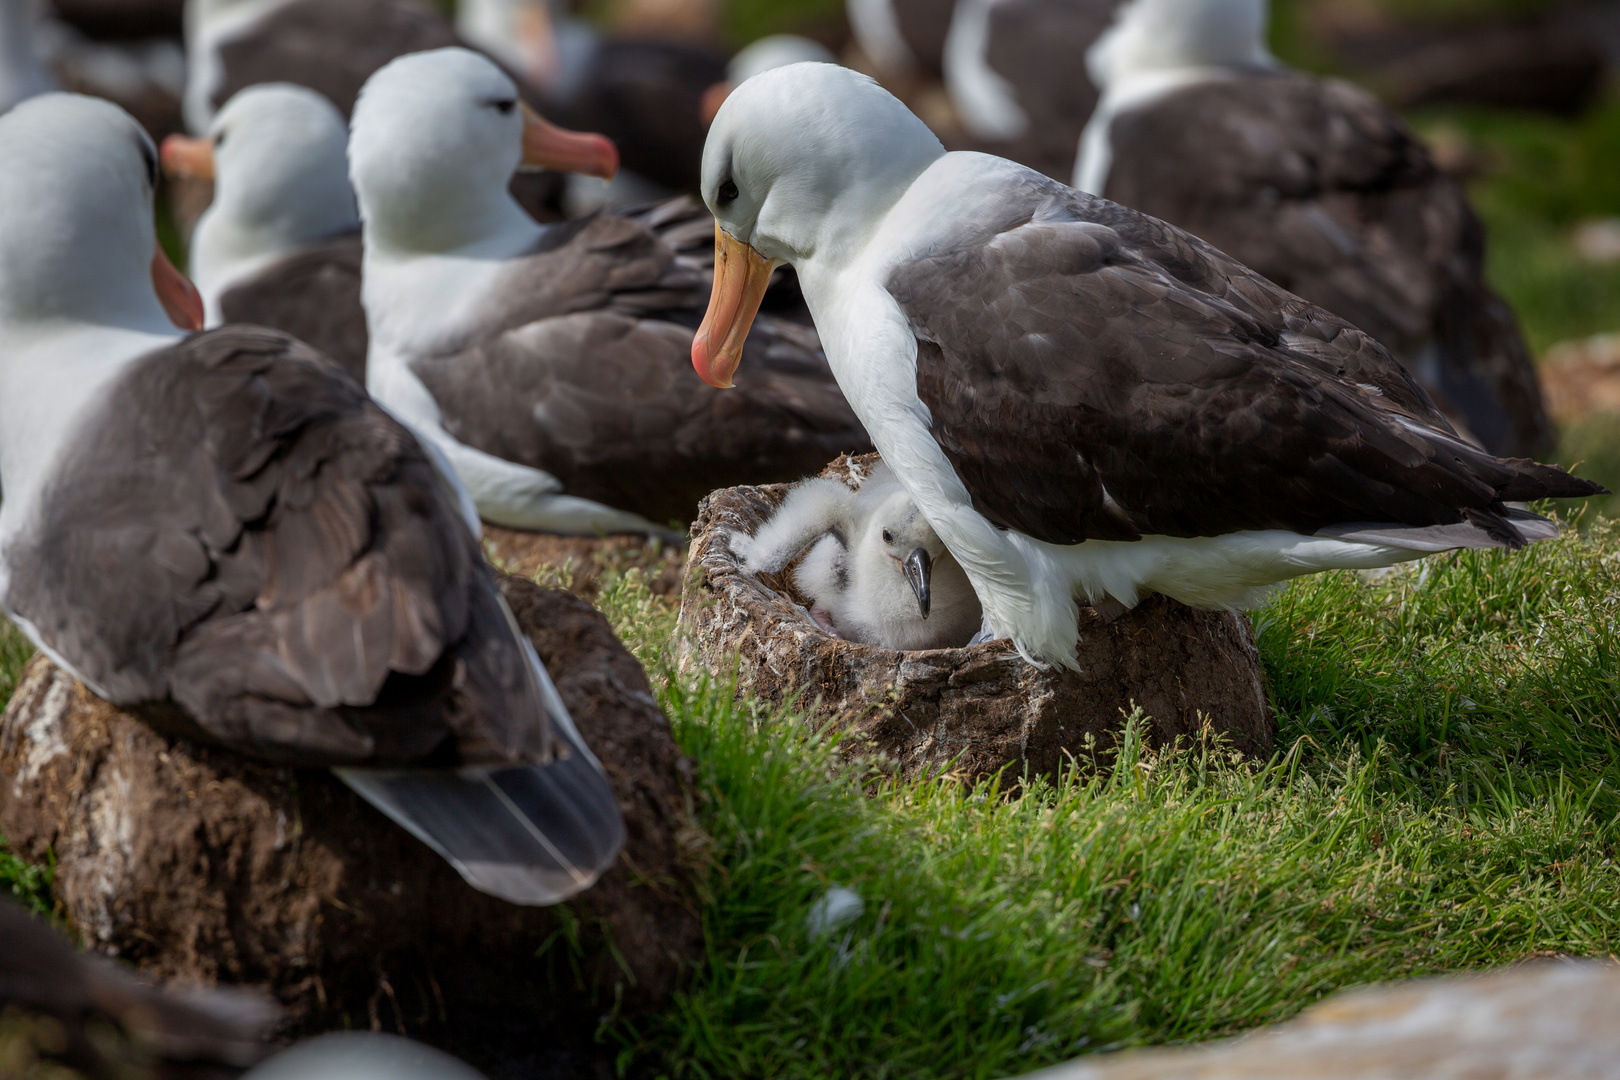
(1083, 400)
(549, 362)
(279, 246)
(225, 531)
(1317, 186)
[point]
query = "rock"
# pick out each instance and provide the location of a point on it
(981, 707)
(577, 563)
(201, 866)
(1582, 376)
(1549, 1020)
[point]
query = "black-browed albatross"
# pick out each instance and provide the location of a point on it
(223, 531)
(549, 363)
(1082, 399)
(279, 246)
(1314, 184)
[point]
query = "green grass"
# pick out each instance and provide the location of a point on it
(1445, 799)
(31, 885)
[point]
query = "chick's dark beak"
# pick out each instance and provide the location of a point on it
(918, 566)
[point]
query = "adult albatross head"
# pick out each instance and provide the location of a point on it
(434, 141)
(101, 263)
(801, 165)
(278, 157)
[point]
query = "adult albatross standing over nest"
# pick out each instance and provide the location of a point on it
(222, 530)
(1082, 399)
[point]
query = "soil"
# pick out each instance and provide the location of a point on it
(200, 866)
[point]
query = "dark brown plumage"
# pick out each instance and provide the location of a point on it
(1317, 186)
(106, 1024)
(328, 45)
(1093, 373)
(312, 295)
(244, 534)
(582, 367)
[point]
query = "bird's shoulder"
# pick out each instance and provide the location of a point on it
(314, 295)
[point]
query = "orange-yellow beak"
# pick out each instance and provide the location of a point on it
(741, 275)
(188, 158)
(179, 297)
(551, 147)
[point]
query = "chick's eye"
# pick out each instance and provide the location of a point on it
(504, 106)
(888, 537)
(728, 191)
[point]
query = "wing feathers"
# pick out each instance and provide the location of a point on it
(532, 835)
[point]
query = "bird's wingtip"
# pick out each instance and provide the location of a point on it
(529, 834)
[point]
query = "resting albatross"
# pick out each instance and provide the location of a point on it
(223, 531)
(1081, 399)
(280, 244)
(549, 362)
(1317, 186)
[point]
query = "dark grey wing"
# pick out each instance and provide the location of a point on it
(42, 976)
(1315, 185)
(647, 96)
(332, 46)
(238, 530)
(312, 295)
(586, 373)
(1095, 374)
(1039, 47)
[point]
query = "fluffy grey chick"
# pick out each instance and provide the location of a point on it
(876, 572)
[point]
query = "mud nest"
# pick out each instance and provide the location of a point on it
(200, 866)
(977, 709)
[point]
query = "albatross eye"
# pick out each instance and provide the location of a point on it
(888, 537)
(727, 192)
(504, 106)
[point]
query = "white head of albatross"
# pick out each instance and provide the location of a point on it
(1081, 399)
(278, 157)
(1157, 46)
(436, 137)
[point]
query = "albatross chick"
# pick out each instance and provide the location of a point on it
(876, 571)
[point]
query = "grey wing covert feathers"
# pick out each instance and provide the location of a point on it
(312, 295)
(1317, 186)
(246, 547)
(587, 374)
(1093, 373)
